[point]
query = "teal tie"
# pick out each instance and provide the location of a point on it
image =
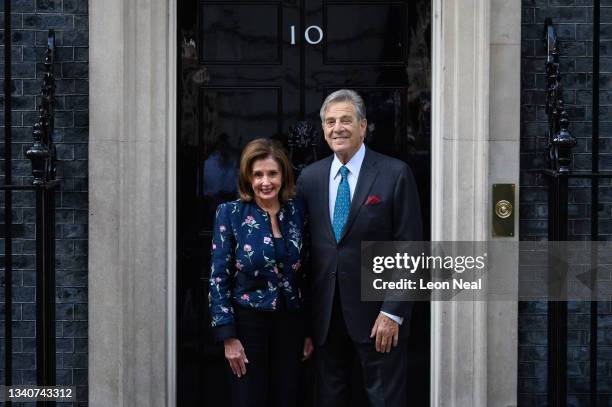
(343, 204)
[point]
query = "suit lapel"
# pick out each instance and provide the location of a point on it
(367, 176)
(323, 190)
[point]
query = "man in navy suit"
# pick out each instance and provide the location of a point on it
(352, 196)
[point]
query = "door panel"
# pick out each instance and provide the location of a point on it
(240, 33)
(365, 38)
(250, 69)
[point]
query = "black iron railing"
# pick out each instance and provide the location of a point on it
(560, 144)
(44, 185)
(560, 141)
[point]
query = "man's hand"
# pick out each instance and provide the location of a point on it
(386, 332)
(308, 348)
(234, 353)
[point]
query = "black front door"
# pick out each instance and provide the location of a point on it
(250, 69)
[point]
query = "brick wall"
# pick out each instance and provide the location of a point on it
(573, 20)
(30, 21)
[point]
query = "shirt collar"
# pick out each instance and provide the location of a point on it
(353, 165)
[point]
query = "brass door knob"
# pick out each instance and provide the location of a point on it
(503, 209)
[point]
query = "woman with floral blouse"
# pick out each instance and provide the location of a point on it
(257, 282)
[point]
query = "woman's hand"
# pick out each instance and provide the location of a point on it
(234, 353)
(308, 348)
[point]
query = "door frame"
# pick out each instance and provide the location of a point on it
(132, 161)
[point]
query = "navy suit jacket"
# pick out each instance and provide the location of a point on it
(392, 213)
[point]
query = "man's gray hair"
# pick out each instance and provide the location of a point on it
(345, 95)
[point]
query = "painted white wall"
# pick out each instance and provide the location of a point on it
(475, 143)
(131, 196)
(459, 191)
(504, 162)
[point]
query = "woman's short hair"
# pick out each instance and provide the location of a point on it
(260, 149)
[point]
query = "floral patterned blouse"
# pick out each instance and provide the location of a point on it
(244, 270)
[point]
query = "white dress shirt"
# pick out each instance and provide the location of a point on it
(354, 166)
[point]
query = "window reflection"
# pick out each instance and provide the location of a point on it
(218, 175)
